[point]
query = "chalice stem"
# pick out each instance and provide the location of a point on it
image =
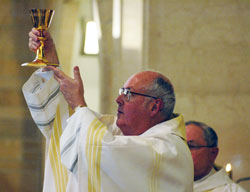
(40, 51)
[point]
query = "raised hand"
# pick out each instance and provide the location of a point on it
(49, 46)
(72, 89)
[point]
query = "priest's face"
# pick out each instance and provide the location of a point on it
(133, 114)
(203, 157)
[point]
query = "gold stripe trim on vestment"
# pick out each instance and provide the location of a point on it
(93, 150)
(59, 171)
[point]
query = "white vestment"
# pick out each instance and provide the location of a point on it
(217, 182)
(97, 157)
(157, 160)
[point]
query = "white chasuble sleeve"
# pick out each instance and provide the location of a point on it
(41, 93)
(106, 162)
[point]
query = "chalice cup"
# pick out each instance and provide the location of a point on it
(41, 19)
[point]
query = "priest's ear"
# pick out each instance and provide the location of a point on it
(156, 107)
(213, 153)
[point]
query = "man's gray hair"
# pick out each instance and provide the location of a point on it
(209, 134)
(164, 90)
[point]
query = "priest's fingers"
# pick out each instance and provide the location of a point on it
(34, 42)
(78, 79)
(61, 75)
(34, 34)
(77, 75)
(51, 68)
(33, 45)
(58, 74)
(57, 79)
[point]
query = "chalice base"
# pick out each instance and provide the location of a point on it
(39, 63)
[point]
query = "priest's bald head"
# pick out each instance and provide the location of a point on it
(146, 99)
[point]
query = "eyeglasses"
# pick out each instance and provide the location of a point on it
(191, 146)
(127, 93)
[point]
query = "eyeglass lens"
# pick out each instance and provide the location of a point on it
(125, 92)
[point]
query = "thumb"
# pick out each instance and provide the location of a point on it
(77, 75)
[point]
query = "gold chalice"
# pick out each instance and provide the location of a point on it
(41, 19)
